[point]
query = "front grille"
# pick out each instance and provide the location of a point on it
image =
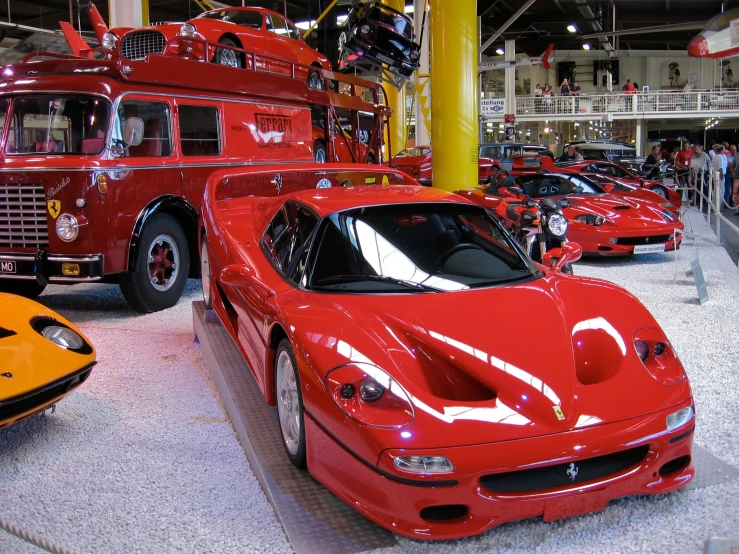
(23, 216)
(561, 475)
(21, 404)
(634, 241)
(136, 45)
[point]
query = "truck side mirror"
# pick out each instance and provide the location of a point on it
(133, 131)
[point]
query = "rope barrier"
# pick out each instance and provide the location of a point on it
(35, 540)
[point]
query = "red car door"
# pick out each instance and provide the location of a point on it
(283, 47)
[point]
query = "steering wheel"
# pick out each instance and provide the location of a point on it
(453, 250)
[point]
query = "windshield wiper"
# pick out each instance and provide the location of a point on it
(527, 272)
(381, 278)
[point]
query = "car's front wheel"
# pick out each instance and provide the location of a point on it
(161, 267)
(662, 191)
(206, 275)
(228, 57)
(290, 404)
(319, 152)
(370, 158)
(29, 289)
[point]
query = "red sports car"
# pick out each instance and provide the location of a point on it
(358, 310)
(615, 223)
(621, 175)
(270, 42)
(343, 149)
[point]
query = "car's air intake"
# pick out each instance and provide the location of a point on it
(138, 44)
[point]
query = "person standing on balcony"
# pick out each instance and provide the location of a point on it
(564, 90)
(537, 98)
(547, 92)
(629, 87)
(575, 91)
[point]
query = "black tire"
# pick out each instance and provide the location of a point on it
(320, 156)
(315, 81)
(205, 274)
(290, 409)
(29, 289)
(162, 236)
(662, 191)
(370, 158)
(228, 57)
(567, 268)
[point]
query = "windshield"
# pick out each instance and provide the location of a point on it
(57, 125)
(401, 24)
(245, 18)
(413, 248)
(413, 152)
(537, 186)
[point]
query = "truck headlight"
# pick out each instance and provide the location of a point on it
(108, 41)
(67, 227)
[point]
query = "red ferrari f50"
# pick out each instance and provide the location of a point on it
(358, 309)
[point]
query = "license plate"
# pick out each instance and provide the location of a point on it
(8, 267)
(577, 505)
(648, 248)
(385, 59)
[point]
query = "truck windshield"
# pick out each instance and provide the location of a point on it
(57, 125)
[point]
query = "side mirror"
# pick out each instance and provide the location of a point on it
(556, 258)
(608, 187)
(578, 189)
(238, 275)
(133, 131)
(527, 217)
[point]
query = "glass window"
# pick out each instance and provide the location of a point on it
(414, 152)
(277, 25)
(57, 125)
(287, 239)
(400, 23)
(413, 248)
(292, 30)
(199, 130)
(492, 152)
(537, 186)
(245, 18)
(156, 141)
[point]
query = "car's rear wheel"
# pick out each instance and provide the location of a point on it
(370, 158)
(29, 289)
(289, 400)
(319, 152)
(161, 267)
(314, 80)
(205, 274)
(228, 57)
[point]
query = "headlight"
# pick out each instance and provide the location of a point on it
(666, 204)
(415, 54)
(108, 41)
(557, 224)
(369, 395)
(62, 336)
(667, 215)
(67, 227)
(365, 30)
(591, 219)
(424, 464)
(658, 357)
(679, 418)
(188, 30)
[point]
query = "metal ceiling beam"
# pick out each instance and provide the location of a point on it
(649, 30)
(507, 24)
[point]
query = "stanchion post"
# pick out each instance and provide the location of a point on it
(718, 199)
(700, 192)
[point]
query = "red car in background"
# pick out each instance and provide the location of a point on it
(615, 223)
(269, 41)
(619, 174)
(340, 149)
(357, 309)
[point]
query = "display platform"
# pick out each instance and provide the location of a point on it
(314, 520)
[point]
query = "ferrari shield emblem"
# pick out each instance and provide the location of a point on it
(55, 208)
(559, 413)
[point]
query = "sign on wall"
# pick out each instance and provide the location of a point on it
(734, 32)
(492, 106)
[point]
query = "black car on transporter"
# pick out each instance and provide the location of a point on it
(377, 33)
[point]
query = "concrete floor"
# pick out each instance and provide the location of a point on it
(142, 459)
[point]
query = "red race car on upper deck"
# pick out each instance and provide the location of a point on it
(615, 223)
(270, 41)
(358, 310)
(621, 175)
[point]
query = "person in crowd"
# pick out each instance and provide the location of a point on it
(629, 87)
(730, 153)
(700, 163)
(575, 91)
(537, 98)
(718, 167)
(682, 163)
(564, 88)
(578, 155)
(568, 155)
(547, 93)
(651, 164)
(547, 89)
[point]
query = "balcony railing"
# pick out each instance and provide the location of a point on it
(641, 104)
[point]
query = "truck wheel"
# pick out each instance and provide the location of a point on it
(161, 267)
(228, 57)
(29, 289)
(205, 274)
(319, 152)
(370, 158)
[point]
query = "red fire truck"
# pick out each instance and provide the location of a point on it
(104, 162)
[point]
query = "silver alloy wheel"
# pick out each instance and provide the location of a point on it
(314, 80)
(163, 260)
(205, 272)
(229, 58)
(661, 191)
(288, 404)
(320, 156)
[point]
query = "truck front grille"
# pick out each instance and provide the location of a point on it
(23, 217)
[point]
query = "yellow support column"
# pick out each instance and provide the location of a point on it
(454, 94)
(398, 131)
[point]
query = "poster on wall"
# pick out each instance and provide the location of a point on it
(734, 33)
(492, 106)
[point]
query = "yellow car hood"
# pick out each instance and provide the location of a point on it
(27, 359)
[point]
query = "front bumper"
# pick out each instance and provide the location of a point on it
(615, 242)
(412, 506)
(47, 268)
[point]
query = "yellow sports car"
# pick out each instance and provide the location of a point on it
(42, 358)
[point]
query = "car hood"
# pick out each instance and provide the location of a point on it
(493, 364)
(27, 359)
(627, 212)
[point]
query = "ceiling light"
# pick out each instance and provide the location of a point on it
(546, 129)
(408, 8)
(586, 46)
(499, 51)
(572, 28)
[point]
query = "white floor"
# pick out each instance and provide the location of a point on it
(142, 458)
